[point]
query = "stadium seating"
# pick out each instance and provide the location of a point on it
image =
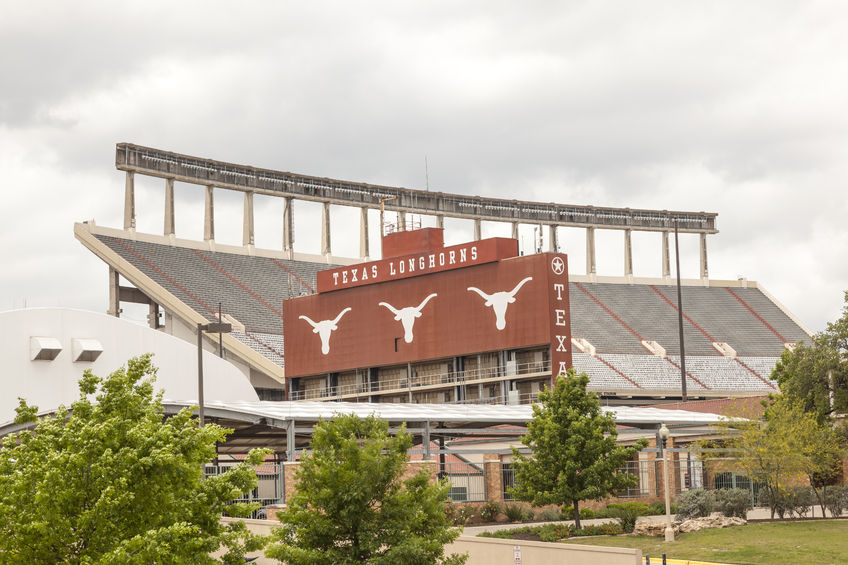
(614, 318)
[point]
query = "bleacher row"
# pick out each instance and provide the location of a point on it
(614, 318)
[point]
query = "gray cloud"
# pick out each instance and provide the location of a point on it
(723, 107)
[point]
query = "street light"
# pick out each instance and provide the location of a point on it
(215, 327)
(669, 531)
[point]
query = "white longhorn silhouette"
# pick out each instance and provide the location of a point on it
(324, 328)
(500, 300)
(407, 316)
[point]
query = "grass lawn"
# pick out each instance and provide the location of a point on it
(811, 543)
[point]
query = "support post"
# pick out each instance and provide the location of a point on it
(680, 317)
(200, 374)
(666, 262)
(129, 201)
(591, 267)
(553, 241)
(247, 228)
(425, 440)
(288, 224)
(401, 220)
(153, 315)
(514, 230)
(290, 441)
(364, 251)
(114, 294)
(169, 206)
(440, 222)
(705, 274)
(628, 255)
(478, 229)
(326, 248)
(209, 214)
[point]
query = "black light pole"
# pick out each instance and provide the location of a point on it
(680, 317)
(211, 327)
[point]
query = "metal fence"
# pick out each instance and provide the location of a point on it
(467, 481)
(268, 491)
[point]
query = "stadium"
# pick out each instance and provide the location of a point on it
(621, 331)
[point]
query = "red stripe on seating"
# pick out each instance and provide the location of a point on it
(235, 280)
(619, 373)
(634, 332)
(166, 277)
(757, 316)
(300, 280)
(756, 374)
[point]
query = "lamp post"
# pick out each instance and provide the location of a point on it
(669, 531)
(217, 327)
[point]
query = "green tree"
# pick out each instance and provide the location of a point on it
(574, 453)
(788, 445)
(351, 504)
(816, 374)
(113, 481)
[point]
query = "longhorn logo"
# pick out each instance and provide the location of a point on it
(406, 316)
(500, 300)
(324, 328)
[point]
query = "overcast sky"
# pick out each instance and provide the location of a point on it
(737, 108)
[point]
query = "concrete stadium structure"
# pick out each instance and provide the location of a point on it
(623, 329)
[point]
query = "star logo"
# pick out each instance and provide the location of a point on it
(557, 265)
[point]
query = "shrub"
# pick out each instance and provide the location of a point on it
(552, 532)
(567, 513)
(460, 514)
(548, 515)
(627, 513)
(489, 511)
(514, 512)
(587, 514)
(835, 499)
(600, 513)
(656, 508)
(801, 499)
(555, 532)
(778, 501)
(733, 502)
(695, 503)
(609, 529)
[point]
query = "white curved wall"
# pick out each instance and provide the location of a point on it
(48, 384)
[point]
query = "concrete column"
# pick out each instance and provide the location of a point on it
(247, 228)
(209, 214)
(364, 251)
(169, 206)
(114, 294)
(705, 274)
(440, 222)
(553, 242)
(129, 201)
(628, 254)
(514, 230)
(153, 315)
(325, 229)
(666, 257)
(288, 224)
(591, 266)
(478, 229)
(401, 220)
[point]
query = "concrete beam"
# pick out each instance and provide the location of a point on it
(326, 248)
(364, 250)
(247, 237)
(114, 294)
(288, 224)
(209, 214)
(129, 201)
(591, 264)
(169, 206)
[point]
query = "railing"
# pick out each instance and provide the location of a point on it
(468, 482)
(403, 384)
